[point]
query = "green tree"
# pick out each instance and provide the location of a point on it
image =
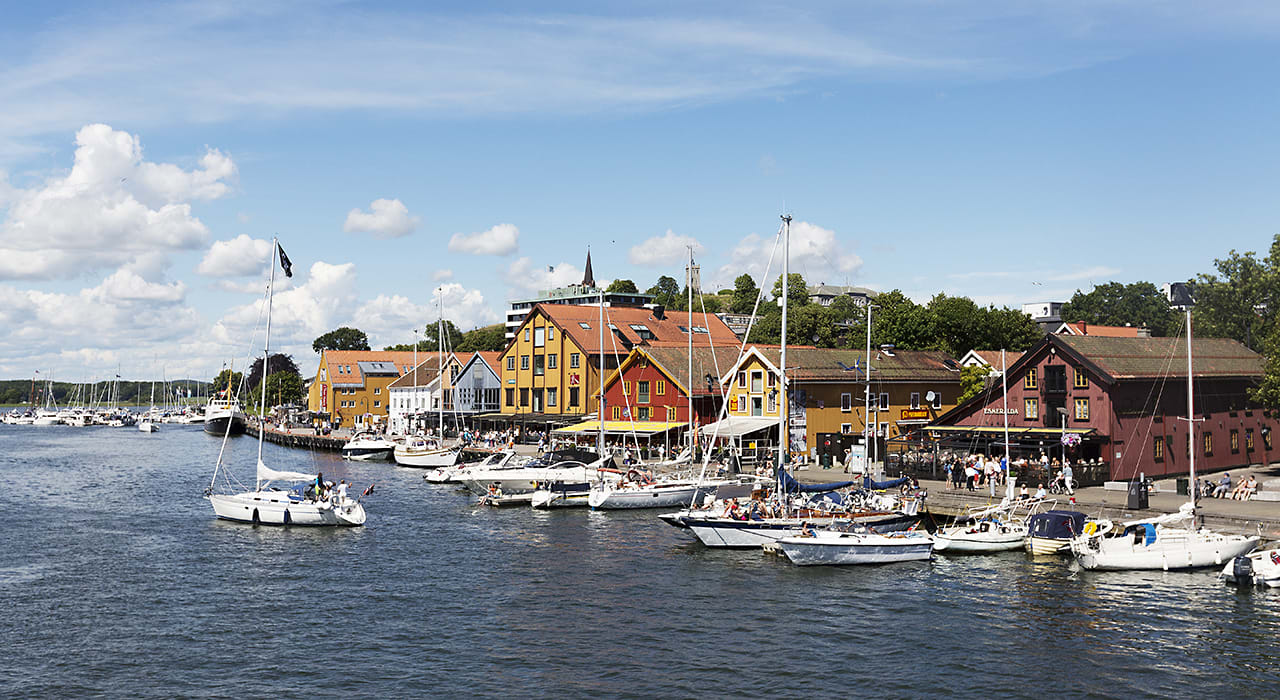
(902, 323)
(958, 324)
(622, 287)
(344, 338)
(974, 380)
(226, 378)
(488, 338)
(283, 387)
(666, 292)
(713, 303)
(1241, 301)
(745, 293)
(431, 341)
(279, 362)
(1267, 393)
(1008, 329)
(1114, 304)
(797, 290)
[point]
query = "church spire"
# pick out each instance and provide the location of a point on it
(588, 280)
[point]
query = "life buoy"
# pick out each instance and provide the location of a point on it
(1090, 528)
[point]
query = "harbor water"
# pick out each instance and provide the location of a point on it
(116, 580)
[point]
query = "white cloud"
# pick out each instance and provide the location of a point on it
(386, 218)
(816, 253)
(313, 307)
(664, 250)
(524, 278)
(237, 257)
(503, 239)
(442, 275)
(126, 285)
(110, 209)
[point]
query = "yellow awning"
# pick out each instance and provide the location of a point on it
(621, 427)
(999, 430)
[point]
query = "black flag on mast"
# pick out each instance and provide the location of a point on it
(284, 262)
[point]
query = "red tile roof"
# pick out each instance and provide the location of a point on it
(351, 358)
(667, 330)
(1081, 328)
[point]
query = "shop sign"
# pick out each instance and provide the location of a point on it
(915, 414)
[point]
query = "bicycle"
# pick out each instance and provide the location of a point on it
(1057, 486)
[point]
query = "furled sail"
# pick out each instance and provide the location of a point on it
(266, 473)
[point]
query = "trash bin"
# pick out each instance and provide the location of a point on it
(825, 460)
(1138, 498)
(1184, 486)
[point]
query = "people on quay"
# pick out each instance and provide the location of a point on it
(1041, 494)
(1251, 487)
(971, 476)
(1224, 486)
(1067, 479)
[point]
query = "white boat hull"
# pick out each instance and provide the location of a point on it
(277, 508)
(721, 532)
(849, 548)
(1263, 569)
(974, 540)
(652, 496)
(147, 427)
(1172, 550)
(430, 459)
(1047, 546)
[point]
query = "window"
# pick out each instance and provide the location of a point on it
(539, 365)
(377, 404)
(937, 400)
(643, 362)
(773, 402)
(1235, 441)
(773, 379)
(539, 337)
(551, 361)
(573, 360)
(757, 381)
(846, 403)
(643, 412)
(617, 413)
(1157, 448)
(584, 325)
(626, 388)
(1082, 379)
(1030, 381)
(524, 362)
(526, 335)
(1082, 409)
(377, 391)
(511, 362)
(642, 392)
(1208, 444)
(915, 399)
(660, 387)
(524, 397)
(882, 430)
(573, 397)
(551, 333)
(1031, 407)
(884, 401)
(742, 380)
(1266, 438)
(671, 413)
(537, 401)
(551, 396)
(846, 428)
(1248, 439)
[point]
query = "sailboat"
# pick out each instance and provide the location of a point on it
(266, 504)
(418, 451)
(1170, 541)
(148, 422)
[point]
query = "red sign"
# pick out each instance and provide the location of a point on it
(324, 397)
(574, 379)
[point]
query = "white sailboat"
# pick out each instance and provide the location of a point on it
(431, 453)
(835, 547)
(1170, 541)
(266, 504)
(148, 422)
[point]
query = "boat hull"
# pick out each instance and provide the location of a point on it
(745, 534)
(367, 454)
(846, 549)
(1254, 569)
(1047, 546)
(276, 508)
(1171, 552)
(648, 497)
(965, 541)
(430, 459)
(224, 424)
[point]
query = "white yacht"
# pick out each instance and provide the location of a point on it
(368, 447)
(828, 547)
(1260, 568)
(425, 452)
(224, 417)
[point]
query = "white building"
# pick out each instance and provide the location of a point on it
(414, 400)
(477, 385)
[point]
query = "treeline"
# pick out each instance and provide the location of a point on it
(486, 338)
(19, 391)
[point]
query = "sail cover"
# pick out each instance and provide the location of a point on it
(790, 485)
(869, 483)
(266, 473)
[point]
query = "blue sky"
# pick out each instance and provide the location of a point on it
(1007, 151)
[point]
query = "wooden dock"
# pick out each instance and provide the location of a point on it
(301, 440)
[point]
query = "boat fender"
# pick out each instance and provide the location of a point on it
(287, 518)
(256, 520)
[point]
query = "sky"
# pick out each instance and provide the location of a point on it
(470, 153)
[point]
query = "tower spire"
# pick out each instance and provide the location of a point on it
(588, 279)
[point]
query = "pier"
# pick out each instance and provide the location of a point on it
(301, 438)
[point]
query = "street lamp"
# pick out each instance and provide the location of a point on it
(1063, 411)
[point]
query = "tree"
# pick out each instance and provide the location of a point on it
(1267, 393)
(1243, 302)
(488, 338)
(666, 292)
(974, 380)
(227, 379)
(1008, 329)
(343, 338)
(623, 287)
(1114, 304)
(283, 387)
(430, 337)
(902, 323)
(797, 290)
(713, 303)
(958, 324)
(744, 295)
(279, 362)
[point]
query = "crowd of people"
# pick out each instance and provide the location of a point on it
(1243, 490)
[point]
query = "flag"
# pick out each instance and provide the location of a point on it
(551, 268)
(284, 262)
(368, 490)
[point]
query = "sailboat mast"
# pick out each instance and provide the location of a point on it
(689, 385)
(600, 382)
(1191, 419)
(1008, 466)
(783, 409)
(440, 362)
(266, 356)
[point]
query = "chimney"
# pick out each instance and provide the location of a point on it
(1144, 332)
(659, 312)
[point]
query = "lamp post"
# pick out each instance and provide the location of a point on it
(1062, 410)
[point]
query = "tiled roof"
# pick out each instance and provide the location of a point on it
(353, 358)
(422, 375)
(491, 358)
(992, 357)
(1148, 358)
(667, 330)
(839, 364)
(1080, 328)
(674, 359)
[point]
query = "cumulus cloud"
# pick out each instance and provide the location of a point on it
(664, 250)
(237, 257)
(311, 308)
(386, 218)
(442, 275)
(127, 285)
(524, 277)
(502, 239)
(110, 209)
(816, 252)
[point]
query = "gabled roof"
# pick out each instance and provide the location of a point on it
(1081, 328)
(808, 363)
(581, 323)
(673, 361)
(422, 375)
(991, 358)
(1118, 359)
(403, 362)
(485, 357)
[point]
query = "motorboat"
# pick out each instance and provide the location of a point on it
(224, 417)
(368, 447)
(1051, 532)
(420, 451)
(146, 425)
(561, 494)
(47, 417)
(999, 528)
(530, 477)
(506, 459)
(1261, 568)
(1166, 542)
(837, 547)
(641, 489)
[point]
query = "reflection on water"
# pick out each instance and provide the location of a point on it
(123, 583)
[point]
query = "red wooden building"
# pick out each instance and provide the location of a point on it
(1123, 398)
